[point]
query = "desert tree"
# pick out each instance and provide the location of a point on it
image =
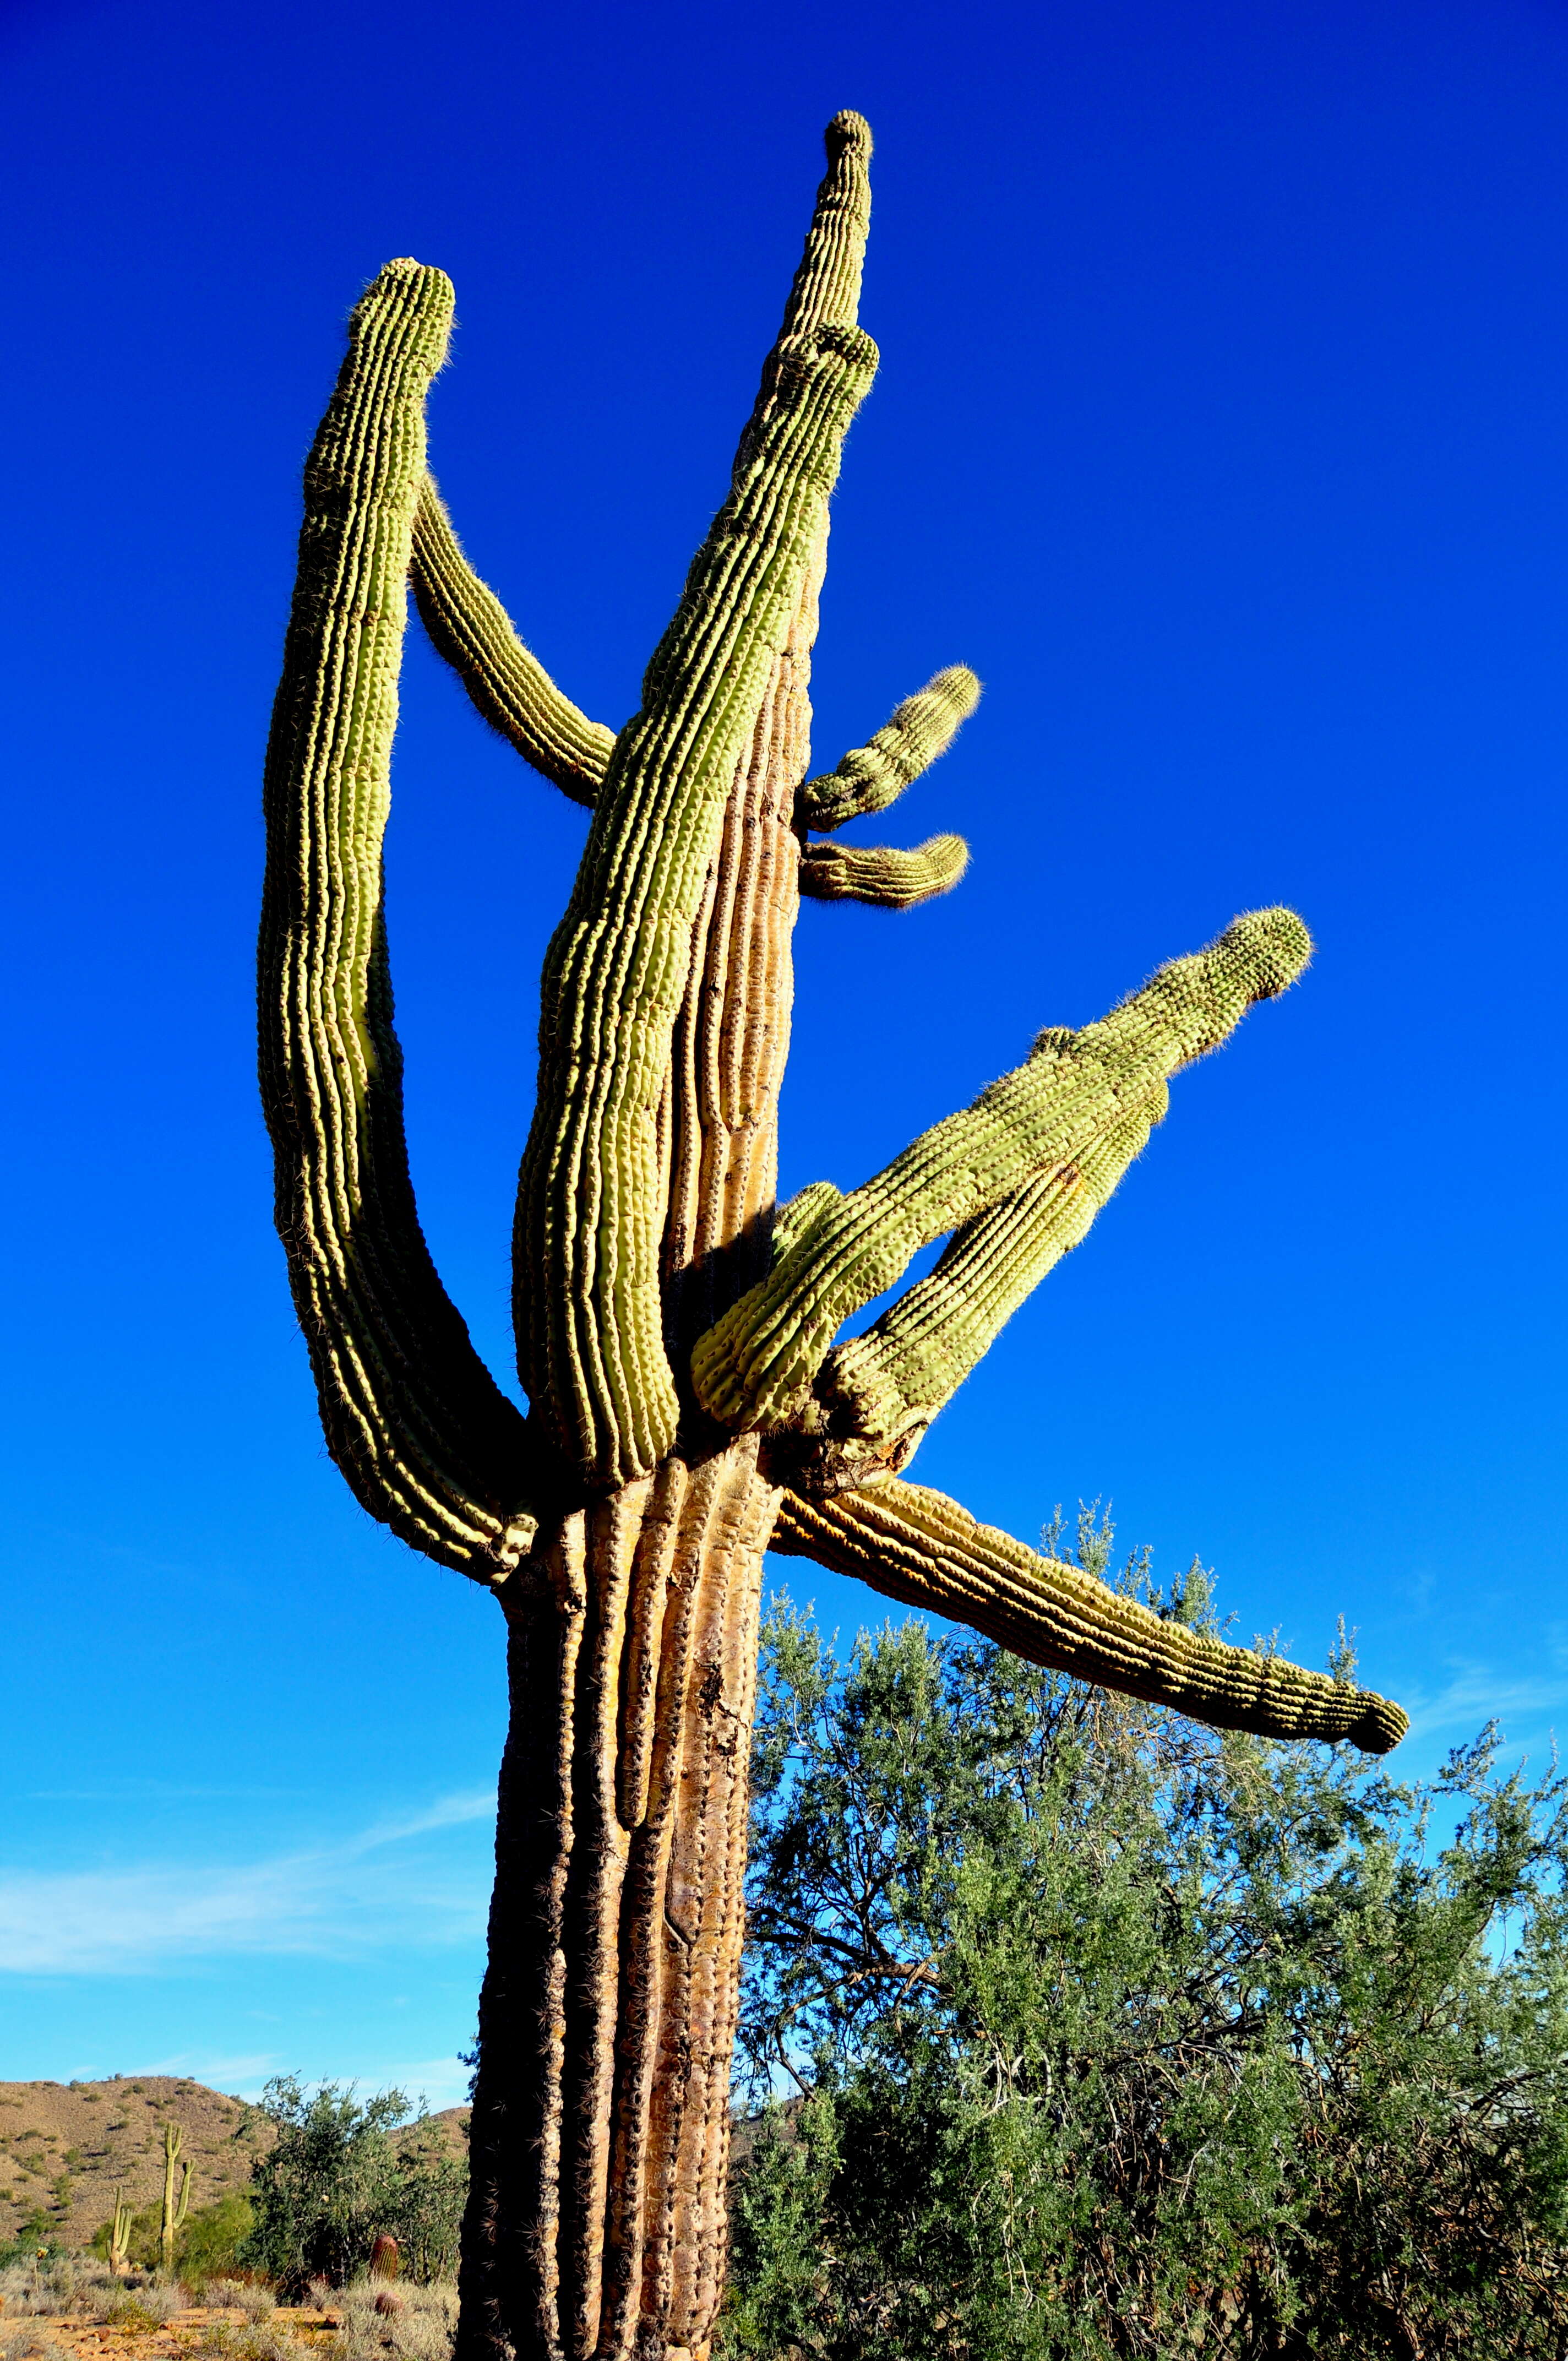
(689, 1405)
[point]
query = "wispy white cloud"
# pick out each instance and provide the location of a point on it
(1473, 1696)
(368, 1889)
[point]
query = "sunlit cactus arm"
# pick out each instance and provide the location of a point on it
(882, 874)
(755, 1365)
(591, 1202)
(425, 1438)
(921, 1548)
(873, 775)
(469, 625)
(874, 1397)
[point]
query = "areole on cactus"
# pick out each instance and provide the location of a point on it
(689, 1404)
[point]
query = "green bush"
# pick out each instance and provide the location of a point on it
(210, 2244)
(1109, 2035)
(336, 2179)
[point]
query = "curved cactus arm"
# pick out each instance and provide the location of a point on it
(921, 1548)
(881, 874)
(469, 625)
(875, 1396)
(592, 1198)
(425, 1438)
(754, 1366)
(874, 775)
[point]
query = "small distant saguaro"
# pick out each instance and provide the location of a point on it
(689, 1404)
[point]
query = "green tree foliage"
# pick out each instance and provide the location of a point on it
(337, 2178)
(1110, 2036)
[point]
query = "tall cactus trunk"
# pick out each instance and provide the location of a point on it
(599, 2139)
(600, 2125)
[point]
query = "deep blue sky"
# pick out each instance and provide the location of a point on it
(1222, 426)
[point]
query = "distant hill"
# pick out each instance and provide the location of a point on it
(66, 2146)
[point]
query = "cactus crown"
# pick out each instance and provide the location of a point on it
(641, 1332)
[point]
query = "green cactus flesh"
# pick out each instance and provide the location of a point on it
(425, 1437)
(675, 1331)
(930, 1553)
(591, 1203)
(870, 777)
(755, 1366)
(881, 874)
(469, 625)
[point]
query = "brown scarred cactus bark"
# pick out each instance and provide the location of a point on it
(689, 1403)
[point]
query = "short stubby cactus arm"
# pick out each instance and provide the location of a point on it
(921, 1548)
(755, 1366)
(875, 1396)
(469, 625)
(881, 874)
(426, 1439)
(873, 775)
(593, 1192)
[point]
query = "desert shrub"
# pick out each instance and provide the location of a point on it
(210, 2244)
(336, 2179)
(1109, 2035)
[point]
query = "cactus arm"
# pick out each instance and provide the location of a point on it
(469, 625)
(919, 1547)
(873, 775)
(592, 1196)
(881, 874)
(426, 1440)
(754, 1366)
(874, 1397)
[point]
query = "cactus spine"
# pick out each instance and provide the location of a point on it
(176, 2201)
(675, 1336)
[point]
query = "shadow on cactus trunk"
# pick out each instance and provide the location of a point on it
(688, 1401)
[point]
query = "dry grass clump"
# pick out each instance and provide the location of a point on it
(402, 2321)
(249, 2296)
(138, 2303)
(256, 2341)
(30, 2343)
(49, 2290)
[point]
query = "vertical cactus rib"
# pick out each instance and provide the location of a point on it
(871, 776)
(754, 1366)
(426, 1440)
(875, 1396)
(591, 1209)
(919, 1547)
(881, 874)
(508, 685)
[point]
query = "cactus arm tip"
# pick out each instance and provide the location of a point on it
(882, 874)
(871, 776)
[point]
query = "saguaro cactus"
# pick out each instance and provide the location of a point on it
(676, 1339)
(120, 2235)
(176, 2196)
